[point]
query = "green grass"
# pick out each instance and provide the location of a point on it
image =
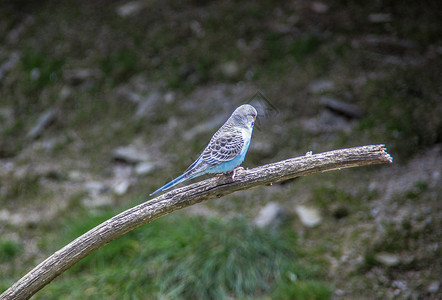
(179, 257)
(305, 290)
(9, 249)
(418, 189)
(41, 69)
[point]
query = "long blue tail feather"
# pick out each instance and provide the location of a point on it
(177, 180)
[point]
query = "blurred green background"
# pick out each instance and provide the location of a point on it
(102, 102)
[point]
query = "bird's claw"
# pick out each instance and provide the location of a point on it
(234, 171)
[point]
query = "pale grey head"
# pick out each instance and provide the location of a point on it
(244, 116)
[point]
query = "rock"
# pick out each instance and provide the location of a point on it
(201, 210)
(78, 76)
(383, 41)
(146, 104)
(320, 86)
(379, 18)
(387, 259)
(122, 178)
(95, 187)
(327, 122)
(6, 116)
(122, 171)
(43, 122)
(229, 69)
(19, 219)
(169, 97)
(433, 287)
(271, 215)
(130, 8)
(436, 175)
(197, 29)
(309, 216)
(142, 109)
(130, 154)
(35, 74)
(342, 108)
(399, 286)
(76, 175)
(121, 187)
(65, 93)
(9, 64)
(339, 293)
(210, 125)
(14, 36)
(126, 94)
(144, 168)
(319, 7)
(97, 201)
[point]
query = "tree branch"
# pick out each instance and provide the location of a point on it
(179, 198)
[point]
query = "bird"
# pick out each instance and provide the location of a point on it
(226, 150)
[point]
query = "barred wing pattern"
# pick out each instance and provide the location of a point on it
(223, 147)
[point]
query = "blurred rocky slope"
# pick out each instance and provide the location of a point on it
(101, 102)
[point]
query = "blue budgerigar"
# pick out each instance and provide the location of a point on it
(226, 150)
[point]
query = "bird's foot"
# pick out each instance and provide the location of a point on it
(234, 171)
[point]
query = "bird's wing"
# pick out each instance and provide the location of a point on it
(224, 146)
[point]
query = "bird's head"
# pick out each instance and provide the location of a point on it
(244, 116)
